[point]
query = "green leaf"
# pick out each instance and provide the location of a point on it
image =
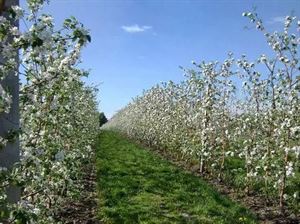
(88, 37)
(37, 42)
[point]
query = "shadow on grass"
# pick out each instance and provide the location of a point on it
(136, 186)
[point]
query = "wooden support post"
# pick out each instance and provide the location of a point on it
(10, 122)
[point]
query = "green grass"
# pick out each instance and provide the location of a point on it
(137, 186)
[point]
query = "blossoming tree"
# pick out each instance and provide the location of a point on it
(58, 113)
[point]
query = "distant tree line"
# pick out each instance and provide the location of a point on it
(102, 119)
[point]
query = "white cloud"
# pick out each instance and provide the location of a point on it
(136, 28)
(278, 19)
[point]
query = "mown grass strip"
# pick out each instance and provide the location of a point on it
(137, 186)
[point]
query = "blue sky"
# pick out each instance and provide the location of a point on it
(139, 43)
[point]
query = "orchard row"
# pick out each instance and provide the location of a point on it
(240, 119)
(58, 113)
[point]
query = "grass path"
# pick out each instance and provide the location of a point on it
(136, 186)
